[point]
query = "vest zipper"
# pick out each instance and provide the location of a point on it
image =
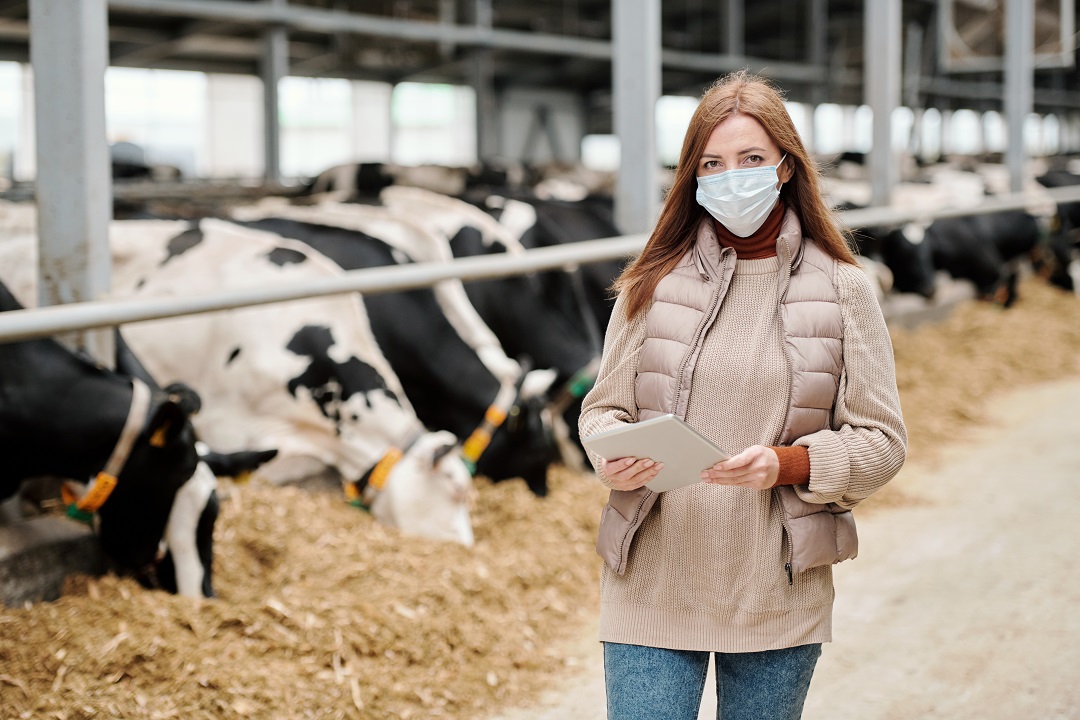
(697, 338)
(787, 537)
(791, 371)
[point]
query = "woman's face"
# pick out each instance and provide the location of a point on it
(741, 142)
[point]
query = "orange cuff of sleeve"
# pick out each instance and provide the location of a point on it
(794, 465)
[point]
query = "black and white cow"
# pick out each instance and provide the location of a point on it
(304, 377)
(516, 308)
(443, 377)
(63, 415)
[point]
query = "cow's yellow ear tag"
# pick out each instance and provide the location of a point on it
(158, 438)
(69, 493)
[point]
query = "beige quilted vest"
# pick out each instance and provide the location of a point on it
(685, 304)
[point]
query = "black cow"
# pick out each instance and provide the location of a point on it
(584, 295)
(1069, 213)
(529, 327)
(1061, 253)
(901, 249)
(444, 379)
(979, 248)
(62, 415)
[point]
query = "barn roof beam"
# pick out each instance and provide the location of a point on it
(148, 54)
(1047, 98)
(318, 20)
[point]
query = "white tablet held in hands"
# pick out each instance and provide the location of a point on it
(684, 451)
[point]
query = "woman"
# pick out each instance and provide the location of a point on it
(747, 316)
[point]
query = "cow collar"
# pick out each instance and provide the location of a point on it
(363, 492)
(576, 387)
(494, 417)
(83, 508)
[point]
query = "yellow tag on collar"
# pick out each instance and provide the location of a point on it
(495, 416)
(378, 476)
(476, 444)
(98, 493)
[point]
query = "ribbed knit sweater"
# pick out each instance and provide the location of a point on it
(705, 571)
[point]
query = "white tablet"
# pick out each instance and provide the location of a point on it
(667, 439)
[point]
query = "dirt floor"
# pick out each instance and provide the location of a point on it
(324, 614)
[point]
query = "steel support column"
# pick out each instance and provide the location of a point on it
(69, 53)
(274, 67)
(487, 121)
(1019, 78)
(817, 41)
(636, 88)
(735, 27)
(881, 89)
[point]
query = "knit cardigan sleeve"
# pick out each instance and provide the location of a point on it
(867, 443)
(612, 400)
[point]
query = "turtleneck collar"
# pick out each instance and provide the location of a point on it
(761, 244)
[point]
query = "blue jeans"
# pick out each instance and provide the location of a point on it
(646, 683)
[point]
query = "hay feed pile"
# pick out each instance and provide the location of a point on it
(323, 614)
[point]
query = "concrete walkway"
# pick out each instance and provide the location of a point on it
(962, 605)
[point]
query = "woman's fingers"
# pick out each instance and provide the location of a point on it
(630, 473)
(756, 467)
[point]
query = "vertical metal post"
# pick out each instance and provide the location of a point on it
(69, 54)
(881, 89)
(487, 124)
(274, 66)
(636, 88)
(1019, 76)
(734, 31)
(913, 52)
(817, 40)
(447, 17)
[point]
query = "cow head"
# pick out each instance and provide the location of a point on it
(428, 491)
(524, 444)
(164, 497)
(910, 259)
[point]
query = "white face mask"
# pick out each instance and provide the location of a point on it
(740, 200)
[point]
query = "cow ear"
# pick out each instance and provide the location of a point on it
(185, 396)
(440, 452)
(168, 421)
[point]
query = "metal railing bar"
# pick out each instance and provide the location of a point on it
(42, 322)
(885, 216)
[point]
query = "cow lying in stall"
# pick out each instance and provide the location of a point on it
(306, 377)
(65, 416)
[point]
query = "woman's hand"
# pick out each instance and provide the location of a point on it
(629, 473)
(755, 467)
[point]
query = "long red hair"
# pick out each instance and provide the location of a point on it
(676, 229)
